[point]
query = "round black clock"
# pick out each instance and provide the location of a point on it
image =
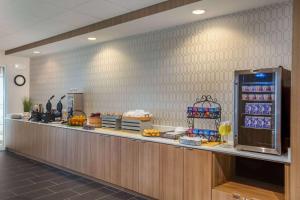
(20, 80)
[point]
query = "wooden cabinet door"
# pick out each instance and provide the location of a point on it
(27, 138)
(74, 150)
(50, 145)
(43, 133)
(115, 160)
(149, 169)
(93, 154)
(129, 164)
(36, 146)
(197, 174)
(60, 146)
(104, 158)
(56, 145)
(85, 149)
(19, 136)
(31, 134)
(101, 156)
(171, 172)
(14, 135)
(39, 134)
(71, 161)
(77, 147)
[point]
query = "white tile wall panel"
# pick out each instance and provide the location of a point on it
(164, 71)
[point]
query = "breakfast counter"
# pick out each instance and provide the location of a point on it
(224, 149)
(156, 167)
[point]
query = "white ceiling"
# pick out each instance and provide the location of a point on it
(25, 21)
(52, 17)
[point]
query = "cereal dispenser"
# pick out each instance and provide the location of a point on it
(74, 103)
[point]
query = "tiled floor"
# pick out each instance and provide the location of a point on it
(24, 179)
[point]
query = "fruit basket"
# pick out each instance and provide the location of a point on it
(77, 120)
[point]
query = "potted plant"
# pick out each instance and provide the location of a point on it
(27, 104)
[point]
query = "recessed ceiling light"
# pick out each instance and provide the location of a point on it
(199, 12)
(92, 38)
(36, 52)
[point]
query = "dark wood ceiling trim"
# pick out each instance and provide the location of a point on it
(144, 12)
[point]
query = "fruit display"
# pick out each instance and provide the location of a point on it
(151, 133)
(78, 120)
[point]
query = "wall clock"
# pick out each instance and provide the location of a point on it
(20, 80)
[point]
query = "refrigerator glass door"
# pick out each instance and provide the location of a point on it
(257, 109)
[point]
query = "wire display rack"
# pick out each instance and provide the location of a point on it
(205, 108)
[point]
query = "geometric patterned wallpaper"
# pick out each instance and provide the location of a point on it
(165, 71)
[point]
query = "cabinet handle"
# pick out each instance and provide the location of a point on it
(236, 196)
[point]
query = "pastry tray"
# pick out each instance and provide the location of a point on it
(135, 125)
(146, 118)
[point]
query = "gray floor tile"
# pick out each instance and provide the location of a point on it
(25, 179)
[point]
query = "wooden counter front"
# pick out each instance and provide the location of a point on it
(156, 170)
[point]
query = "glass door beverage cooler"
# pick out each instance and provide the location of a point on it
(262, 110)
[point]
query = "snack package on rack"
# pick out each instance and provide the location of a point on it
(203, 112)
